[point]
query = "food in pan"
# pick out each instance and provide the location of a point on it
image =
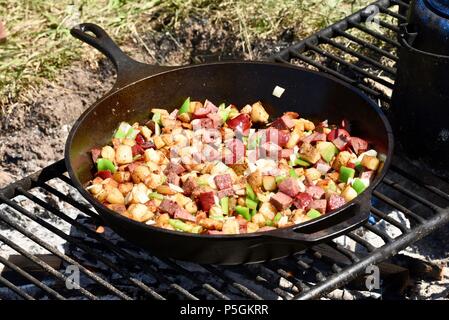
(220, 170)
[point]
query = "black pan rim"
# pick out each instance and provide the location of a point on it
(100, 207)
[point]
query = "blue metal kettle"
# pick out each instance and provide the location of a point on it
(420, 101)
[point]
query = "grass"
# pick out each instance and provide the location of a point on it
(39, 44)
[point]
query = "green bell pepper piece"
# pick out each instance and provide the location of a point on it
(346, 174)
(253, 212)
(302, 163)
(244, 212)
(105, 164)
(332, 186)
(182, 226)
(224, 203)
(277, 217)
(224, 112)
(185, 106)
(269, 223)
(358, 185)
(250, 192)
(312, 214)
(132, 134)
(251, 204)
(293, 174)
(155, 195)
(122, 130)
(279, 179)
(157, 118)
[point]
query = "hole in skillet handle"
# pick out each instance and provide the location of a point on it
(328, 226)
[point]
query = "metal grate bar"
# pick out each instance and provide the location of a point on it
(32, 279)
(399, 207)
(352, 235)
(54, 251)
(79, 244)
(390, 220)
(383, 235)
(411, 194)
(44, 265)
(243, 289)
(388, 26)
(108, 244)
(393, 14)
(368, 45)
(375, 34)
(390, 71)
(349, 65)
(400, 3)
(14, 288)
(376, 256)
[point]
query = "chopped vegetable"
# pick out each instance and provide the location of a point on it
(346, 174)
(207, 169)
(105, 164)
(224, 203)
(244, 212)
(358, 185)
(312, 214)
(250, 192)
(185, 107)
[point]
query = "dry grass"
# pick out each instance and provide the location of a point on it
(39, 44)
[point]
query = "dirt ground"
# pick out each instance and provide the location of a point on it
(33, 135)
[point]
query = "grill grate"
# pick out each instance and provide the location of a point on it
(44, 209)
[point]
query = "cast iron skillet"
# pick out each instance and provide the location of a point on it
(140, 86)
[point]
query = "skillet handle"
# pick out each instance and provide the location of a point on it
(128, 69)
(316, 231)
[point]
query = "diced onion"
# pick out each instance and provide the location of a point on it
(175, 188)
(278, 91)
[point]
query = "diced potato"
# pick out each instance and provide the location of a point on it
(312, 174)
(295, 137)
(258, 113)
(162, 112)
(191, 207)
(185, 117)
(153, 156)
(252, 227)
(125, 188)
(162, 220)
(216, 211)
(101, 196)
(140, 174)
(341, 160)
(283, 222)
(128, 142)
(154, 180)
(308, 125)
(122, 176)
(299, 216)
(370, 162)
(241, 201)
(349, 193)
(267, 210)
(165, 190)
(139, 194)
(255, 180)
(108, 152)
(231, 226)
(158, 142)
(309, 153)
(146, 132)
(246, 110)
(269, 183)
(209, 223)
(115, 196)
(334, 176)
(95, 188)
(124, 154)
(109, 183)
(181, 199)
(194, 106)
(168, 122)
(168, 139)
(140, 212)
(258, 219)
